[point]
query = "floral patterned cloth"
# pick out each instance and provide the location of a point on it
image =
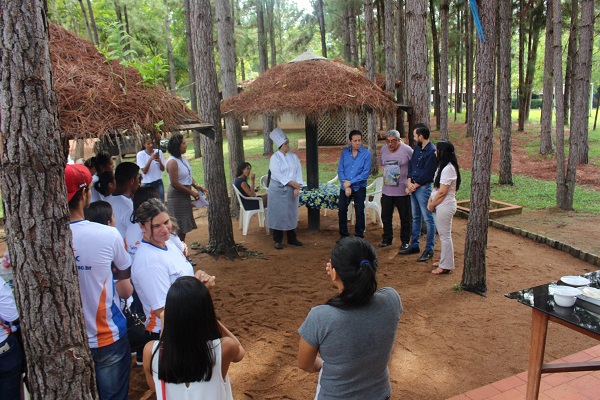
(326, 196)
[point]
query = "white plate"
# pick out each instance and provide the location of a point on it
(590, 292)
(575, 280)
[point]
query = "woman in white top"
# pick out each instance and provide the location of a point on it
(152, 163)
(442, 203)
(182, 182)
(193, 354)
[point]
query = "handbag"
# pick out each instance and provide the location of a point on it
(135, 328)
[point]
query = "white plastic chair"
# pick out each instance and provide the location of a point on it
(331, 182)
(373, 207)
(246, 215)
(263, 182)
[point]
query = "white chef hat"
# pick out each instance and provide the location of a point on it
(278, 137)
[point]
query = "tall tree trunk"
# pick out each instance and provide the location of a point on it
(535, 28)
(571, 54)
(444, 10)
(87, 22)
(352, 35)
(416, 56)
(521, 88)
(59, 363)
(561, 178)
(469, 73)
(271, 28)
(370, 53)
(459, 70)
(321, 18)
(401, 65)
(233, 127)
(172, 84)
(504, 103)
(220, 230)
(498, 73)
(192, 76)
(546, 143)
(263, 66)
(95, 40)
(117, 5)
(346, 34)
(581, 83)
(474, 274)
(436, 65)
(390, 61)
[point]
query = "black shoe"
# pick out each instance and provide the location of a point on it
(425, 256)
(410, 250)
(296, 243)
(384, 244)
(278, 246)
(404, 246)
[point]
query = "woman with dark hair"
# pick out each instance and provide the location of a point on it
(100, 212)
(442, 203)
(105, 185)
(244, 171)
(158, 263)
(193, 354)
(182, 182)
(349, 340)
(102, 162)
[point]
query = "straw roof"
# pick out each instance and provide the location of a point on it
(95, 95)
(311, 88)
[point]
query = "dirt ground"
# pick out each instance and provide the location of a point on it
(447, 343)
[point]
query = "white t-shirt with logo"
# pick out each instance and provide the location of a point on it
(96, 247)
(153, 271)
(134, 236)
(154, 173)
(122, 207)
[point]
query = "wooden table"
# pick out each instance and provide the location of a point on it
(583, 317)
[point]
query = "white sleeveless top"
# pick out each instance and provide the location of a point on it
(215, 389)
(184, 170)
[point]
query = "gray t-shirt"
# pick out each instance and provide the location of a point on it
(355, 346)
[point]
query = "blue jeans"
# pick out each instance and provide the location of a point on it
(418, 203)
(158, 184)
(112, 364)
(11, 362)
(359, 208)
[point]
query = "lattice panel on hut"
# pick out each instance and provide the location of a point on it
(333, 130)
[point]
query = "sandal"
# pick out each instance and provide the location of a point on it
(441, 271)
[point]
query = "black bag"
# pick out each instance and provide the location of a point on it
(135, 329)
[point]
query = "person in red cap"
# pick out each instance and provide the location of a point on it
(97, 248)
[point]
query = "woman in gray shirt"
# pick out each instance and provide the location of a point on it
(349, 340)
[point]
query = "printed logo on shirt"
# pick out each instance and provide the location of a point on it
(391, 173)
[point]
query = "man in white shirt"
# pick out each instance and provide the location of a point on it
(99, 249)
(127, 177)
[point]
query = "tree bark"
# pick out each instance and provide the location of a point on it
(87, 22)
(571, 54)
(416, 56)
(263, 66)
(271, 28)
(346, 34)
(192, 77)
(321, 18)
(521, 88)
(504, 104)
(581, 82)
(458, 68)
(172, 84)
(370, 53)
(390, 66)
(220, 230)
(352, 34)
(32, 157)
(436, 65)
(401, 66)
(469, 73)
(474, 274)
(233, 127)
(444, 10)
(95, 40)
(546, 143)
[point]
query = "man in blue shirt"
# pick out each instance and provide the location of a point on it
(353, 172)
(421, 170)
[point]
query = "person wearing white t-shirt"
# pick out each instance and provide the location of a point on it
(152, 163)
(98, 249)
(11, 357)
(101, 162)
(158, 263)
(442, 203)
(128, 181)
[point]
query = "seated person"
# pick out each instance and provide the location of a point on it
(241, 183)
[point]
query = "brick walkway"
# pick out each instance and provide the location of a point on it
(555, 386)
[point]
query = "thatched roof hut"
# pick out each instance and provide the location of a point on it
(95, 95)
(311, 88)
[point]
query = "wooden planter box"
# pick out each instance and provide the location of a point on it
(497, 209)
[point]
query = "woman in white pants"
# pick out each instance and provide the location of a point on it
(443, 204)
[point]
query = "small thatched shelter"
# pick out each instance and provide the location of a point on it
(96, 96)
(313, 87)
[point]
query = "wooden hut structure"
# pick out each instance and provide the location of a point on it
(311, 86)
(97, 97)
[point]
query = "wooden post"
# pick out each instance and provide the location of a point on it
(312, 170)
